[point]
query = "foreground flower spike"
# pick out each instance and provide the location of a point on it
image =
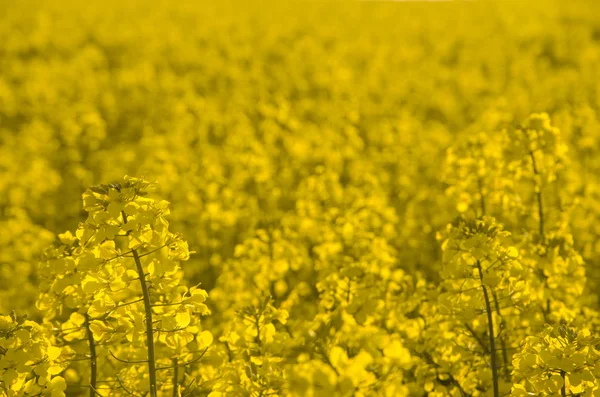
(119, 276)
(536, 156)
(479, 285)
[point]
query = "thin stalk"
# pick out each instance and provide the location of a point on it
(328, 360)
(257, 324)
(476, 337)
(348, 291)
(481, 198)
(93, 357)
(539, 198)
(502, 323)
(149, 331)
(563, 389)
(453, 380)
(540, 215)
(502, 341)
(175, 378)
(490, 317)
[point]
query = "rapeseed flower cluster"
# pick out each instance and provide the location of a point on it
(323, 198)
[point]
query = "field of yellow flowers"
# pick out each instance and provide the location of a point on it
(299, 198)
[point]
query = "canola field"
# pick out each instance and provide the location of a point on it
(299, 198)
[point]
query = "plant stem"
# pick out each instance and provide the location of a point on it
(148, 310)
(257, 324)
(540, 213)
(502, 341)
(175, 378)
(481, 198)
(93, 357)
(539, 198)
(476, 337)
(563, 390)
(453, 380)
(490, 317)
(149, 331)
(502, 323)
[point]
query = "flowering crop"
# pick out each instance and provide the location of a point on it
(329, 198)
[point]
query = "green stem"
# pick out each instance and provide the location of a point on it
(539, 198)
(93, 357)
(477, 338)
(452, 379)
(328, 360)
(149, 331)
(257, 324)
(502, 341)
(488, 308)
(540, 215)
(148, 311)
(502, 323)
(481, 198)
(175, 378)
